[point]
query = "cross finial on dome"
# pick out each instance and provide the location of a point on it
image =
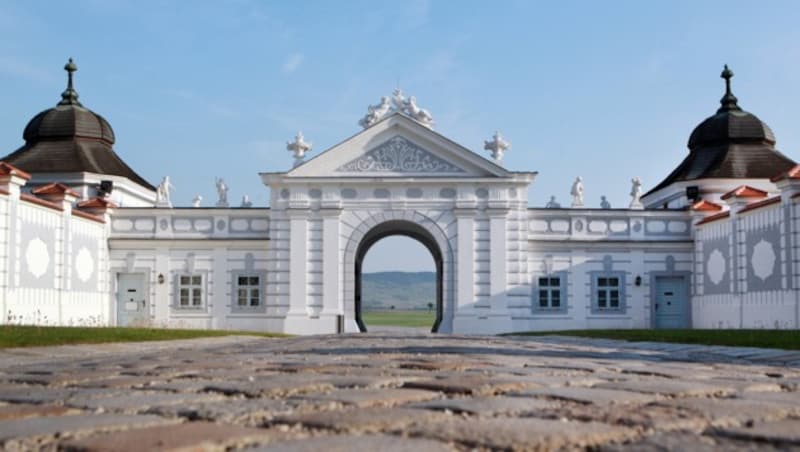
(69, 96)
(728, 101)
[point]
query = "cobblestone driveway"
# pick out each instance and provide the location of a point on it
(395, 392)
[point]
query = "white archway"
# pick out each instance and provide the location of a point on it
(415, 225)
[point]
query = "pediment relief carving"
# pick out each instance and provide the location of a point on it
(399, 155)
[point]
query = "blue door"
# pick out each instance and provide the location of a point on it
(672, 302)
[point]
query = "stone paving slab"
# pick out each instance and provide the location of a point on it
(350, 443)
(523, 433)
(192, 435)
(398, 392)
(488, 406)
(784, 432)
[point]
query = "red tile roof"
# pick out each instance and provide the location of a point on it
(706, 206)
(97, 202)
(39, 201)
(711, 218)
(792, 173)
(745, 191)
(55, 189)
(8, 170)
(758, 204)
(87, 216)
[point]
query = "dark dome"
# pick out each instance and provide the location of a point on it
(66, 122)
(70, 138)
(734, 126)
(732, 144)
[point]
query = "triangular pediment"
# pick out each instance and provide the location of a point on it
(398, 146)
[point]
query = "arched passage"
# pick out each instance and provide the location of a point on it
(438, 232)
(407, 229)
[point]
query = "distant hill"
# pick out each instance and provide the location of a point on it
(403, 290)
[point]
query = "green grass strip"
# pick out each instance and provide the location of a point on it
(34, 336)
(399, 318)
(785, 339)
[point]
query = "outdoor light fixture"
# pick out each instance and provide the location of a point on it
(161, 278)
(638, 281)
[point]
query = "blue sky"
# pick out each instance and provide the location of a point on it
(605, 90)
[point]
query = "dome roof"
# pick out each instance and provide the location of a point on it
(70, 138)
(730, 125)
(731, 144)
(68, 121)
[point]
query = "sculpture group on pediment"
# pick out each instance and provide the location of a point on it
(375, 113)
(397, 103)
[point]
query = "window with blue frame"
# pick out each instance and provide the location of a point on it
(549, 293)
(608, 292)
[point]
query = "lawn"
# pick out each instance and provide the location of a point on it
(31, 336)
(785, 339)
(399, 318)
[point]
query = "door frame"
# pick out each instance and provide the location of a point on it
(687, 279)
(145, 272)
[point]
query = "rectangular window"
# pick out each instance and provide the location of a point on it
(248, 291)
(608, 293)
(550, 292)
(190, 291)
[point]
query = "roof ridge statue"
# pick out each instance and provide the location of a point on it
(397, 103)
(497, 145)
(298, 147)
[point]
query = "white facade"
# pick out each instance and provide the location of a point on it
(295, 267)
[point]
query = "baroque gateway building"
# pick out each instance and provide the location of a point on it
(87, 241)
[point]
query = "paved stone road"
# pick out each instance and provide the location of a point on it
(398, 392)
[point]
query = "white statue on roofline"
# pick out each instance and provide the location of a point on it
(577, 192)
(222, 192)
(163, 192)
(375, 113)
(636, 194)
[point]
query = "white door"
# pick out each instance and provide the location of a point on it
(131, 299)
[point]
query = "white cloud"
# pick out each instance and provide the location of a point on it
(292, 63)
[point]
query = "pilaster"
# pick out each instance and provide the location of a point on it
(498, 258)
(298, 261)
(465, 262)
(220, 304)
(331, 278)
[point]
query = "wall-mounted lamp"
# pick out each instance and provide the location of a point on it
(638, 281)
(161, 278)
